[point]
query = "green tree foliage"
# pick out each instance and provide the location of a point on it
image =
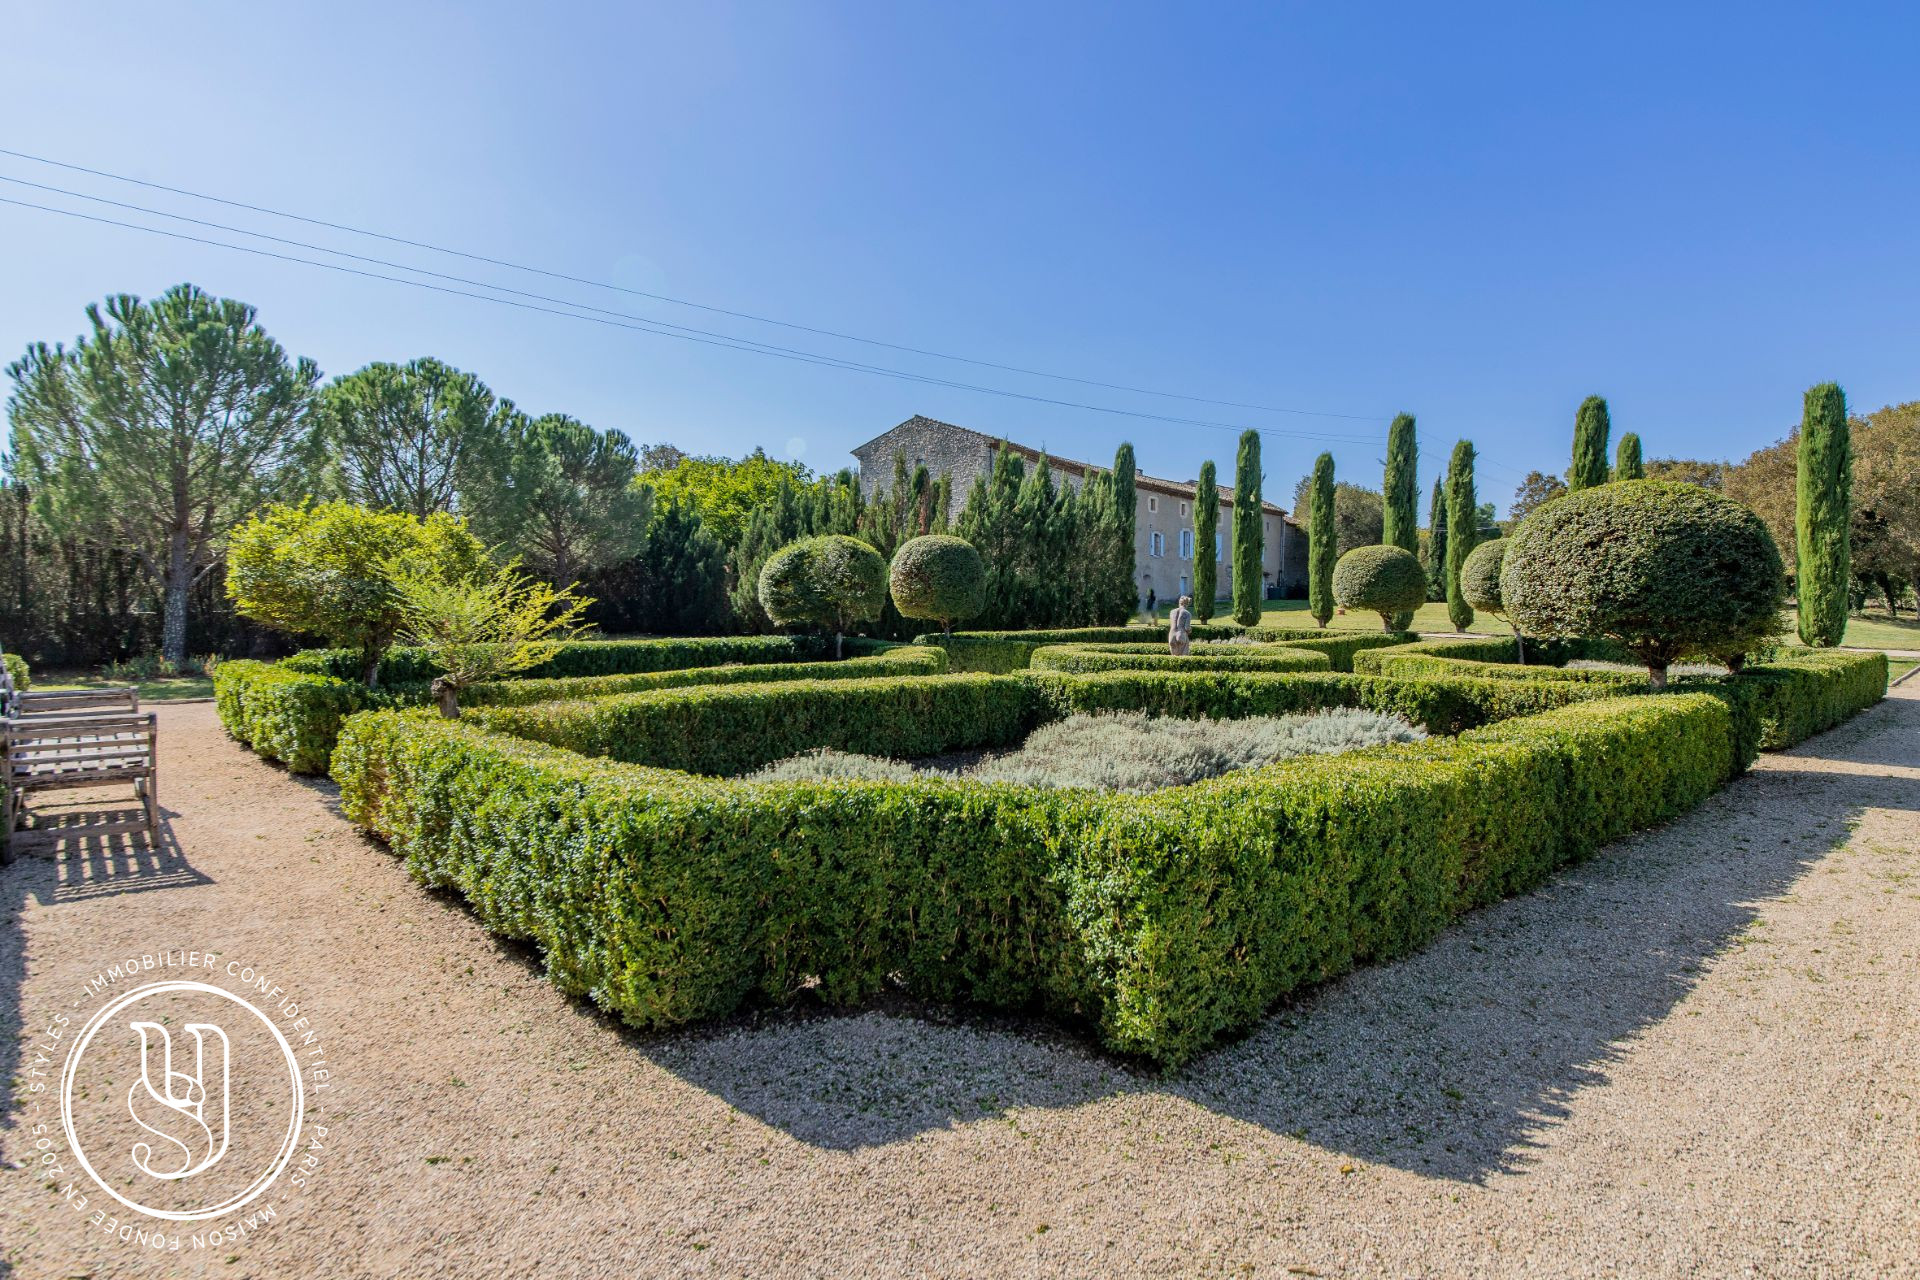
(1665, 568)
(1537, 488)
(1437, 541)
(676, 584)
(1627, 464)
(1051, 550)
(1823, 515)
(565, 503)
(1118, 531)
(1708, 475)
(1322, 546)
(1400, 522)
(938, 577)
(416, 438)
(1385, 580)
(1591, 427)
(1359, 515)
(1206, 538)
(169, 423)
(724, 492)
(1249, 539)
(482, 627)
(328, 570)
(1480, 584)
(831, 581)
(1463, 530)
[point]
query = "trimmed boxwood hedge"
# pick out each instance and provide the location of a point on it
(404, 665)
(287, 713)
(1167, 920)
(1152, 657)
(1001, 652)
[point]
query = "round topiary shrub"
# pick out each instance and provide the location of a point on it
(1385, 580)
(1480, 577)
(939, 578)
(830, 581)
(1666, 569)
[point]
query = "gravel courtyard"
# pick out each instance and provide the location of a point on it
(1696, 1054)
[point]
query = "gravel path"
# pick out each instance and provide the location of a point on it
(1696, 1054)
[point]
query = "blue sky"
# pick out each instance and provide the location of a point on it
(1479, 215)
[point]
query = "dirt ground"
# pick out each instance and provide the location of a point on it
(1696, 1054)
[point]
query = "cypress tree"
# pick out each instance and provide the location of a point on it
(1248, 540)
(1626, 463)
(1322, 541)
(1401, 496)
(1120, 582)
(1437, 542)
(1462, 532)
(1822, 516)
(1590, 430)
(1206, 528)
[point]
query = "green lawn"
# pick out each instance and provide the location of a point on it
(1897, 667)
(1429, 617)
(1876, 629)
(162, 689)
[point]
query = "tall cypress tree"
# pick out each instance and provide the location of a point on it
(1823, 510)
(1401, 495)
(1206, 529)
(1590, 430)
(1118, 575)
(988, 521)
(1323, 546)
(1437, 541)
(1462, 530)
(1627, 464)
(1248, 539)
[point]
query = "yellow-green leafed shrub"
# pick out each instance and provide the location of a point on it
(18, 669)
(1166, 921)
(727, 729)
(1150, 657)
(904, 660)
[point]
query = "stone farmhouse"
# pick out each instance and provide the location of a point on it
(1164, 547)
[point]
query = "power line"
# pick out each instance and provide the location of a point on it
(665, 330)
(656, 297)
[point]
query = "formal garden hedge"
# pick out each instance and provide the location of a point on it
(1000, 652)
(589, 657)
(291, 711)
(1155, 657)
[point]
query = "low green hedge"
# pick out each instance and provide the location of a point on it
(18, 669)
(901, 660)
(1151, 657)
(1000, 652)
(729, 729)
(1430, 666)
(1799, 693)
(585, 657)
(1166, 921)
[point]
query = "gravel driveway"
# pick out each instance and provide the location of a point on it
(1696, 1054)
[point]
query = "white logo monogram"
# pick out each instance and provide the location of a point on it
(181, 1100)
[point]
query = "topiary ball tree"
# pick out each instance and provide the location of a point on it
(831, 581)
(1480, 585)
(1386, 580)
(1665, 568)
(939, 578)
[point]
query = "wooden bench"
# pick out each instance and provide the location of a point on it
(50, 751)
(114, 697)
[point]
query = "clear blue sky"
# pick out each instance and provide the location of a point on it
(1480, 217)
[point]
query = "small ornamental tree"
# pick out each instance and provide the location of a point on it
(1437, 541)
(939, 578)
(485, 627)
(1591, 426)
(1249, 540)
(1665, 568)
(1206, 537)
(1627, 463)
(1480, 584)
(1463, 530)
(1400, 497)
(831, 581)
(1322, 541)
(1823, 517)
(326, 570)
(1385, 580)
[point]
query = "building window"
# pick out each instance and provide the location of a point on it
(1186, 544)
(1153, 504)
(1218, 547)
(1156, 544)
(1183, 508)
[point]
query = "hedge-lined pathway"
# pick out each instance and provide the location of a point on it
(1696, 1054)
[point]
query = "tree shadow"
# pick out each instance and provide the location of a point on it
(1454, 1062)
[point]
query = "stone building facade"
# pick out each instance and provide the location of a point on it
(1164, 548)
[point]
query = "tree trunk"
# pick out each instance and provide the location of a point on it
(836, 646)
(370, 668)
(173, 614)
(1657, 674)
(446, 697)
(1736, 663)
(1520, 644)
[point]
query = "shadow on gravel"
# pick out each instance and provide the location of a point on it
(1452, 1063)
